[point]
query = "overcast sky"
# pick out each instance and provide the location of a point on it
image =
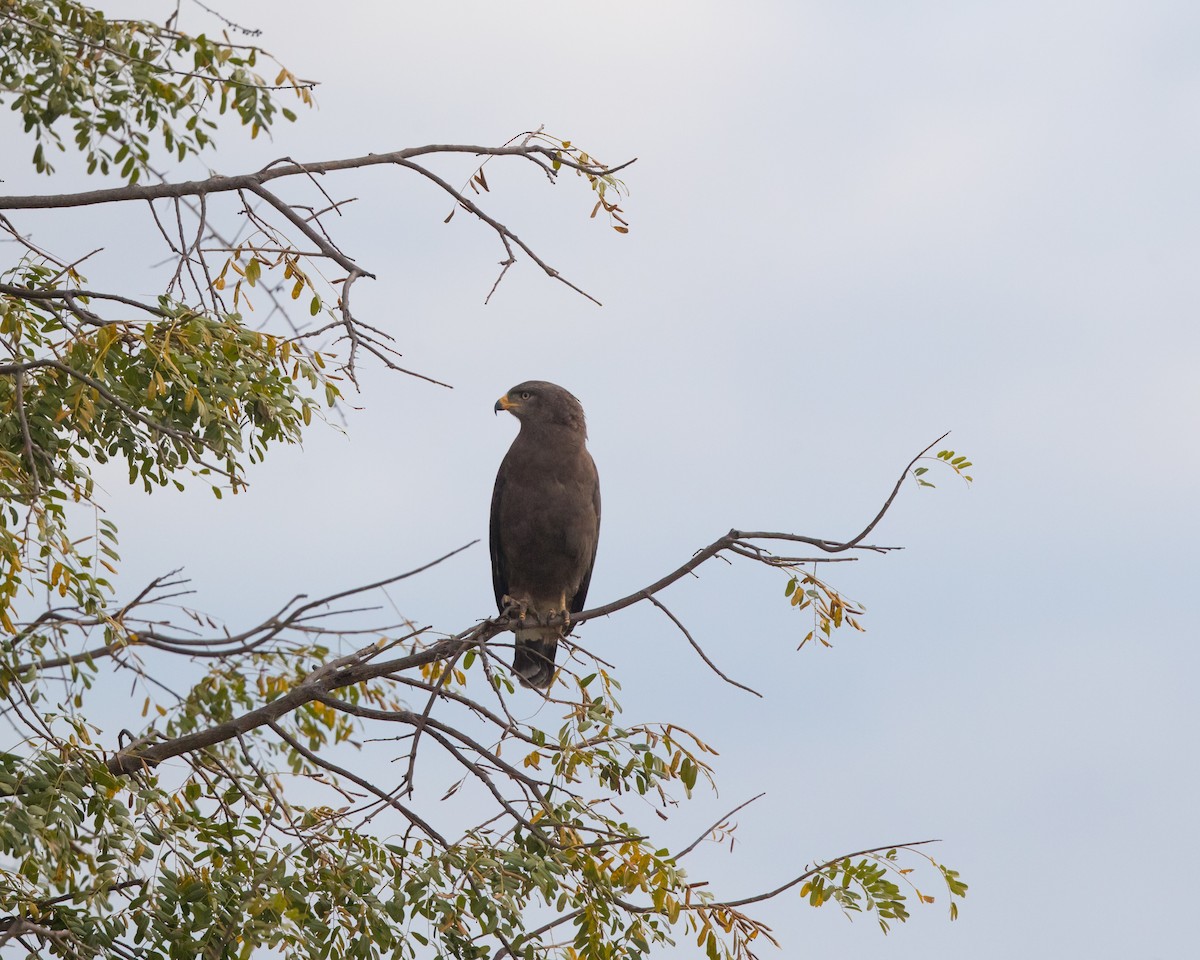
(854, 226)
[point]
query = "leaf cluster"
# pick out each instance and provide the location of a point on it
(830, 609)
(602, 182)
(955, 461)
(874, 883)
(119, 85)
(185, 392)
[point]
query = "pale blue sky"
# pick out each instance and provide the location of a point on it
(853, 226)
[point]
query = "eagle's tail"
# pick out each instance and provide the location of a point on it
(533, 659)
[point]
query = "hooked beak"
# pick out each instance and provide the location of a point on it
(503, 404)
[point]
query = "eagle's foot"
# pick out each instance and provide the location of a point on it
(513, 605)
(563, 614)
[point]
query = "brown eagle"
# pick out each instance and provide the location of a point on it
(545, 522)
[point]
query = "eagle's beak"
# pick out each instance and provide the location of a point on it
(503, 404)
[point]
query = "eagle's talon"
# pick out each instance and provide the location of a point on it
(512, 604)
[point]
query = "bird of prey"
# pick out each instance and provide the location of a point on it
(545, 523)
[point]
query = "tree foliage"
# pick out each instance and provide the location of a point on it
(121, 85)
(262, 832)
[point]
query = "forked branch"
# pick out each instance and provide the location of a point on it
(364, 665)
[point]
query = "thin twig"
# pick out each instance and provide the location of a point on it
(817, 869)
(27, 440)
(700, 839)
(695, 646)
(392, 802)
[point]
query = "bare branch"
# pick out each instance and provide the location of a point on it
(250, 181)
(895, 490)
(327, 248)
(506, 949)
(695, 646)
(700, 839)
(395, 804)
(223, 646)
(500, 228)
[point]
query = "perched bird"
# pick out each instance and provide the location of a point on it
(545, 523)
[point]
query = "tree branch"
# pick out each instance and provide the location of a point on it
(695, 646)
(700, 839)
(312, 758)
(505, 234)
(817, 869)
(37, 293)
(251, 181)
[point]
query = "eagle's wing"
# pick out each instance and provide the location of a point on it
(580, 597)
(499, 569)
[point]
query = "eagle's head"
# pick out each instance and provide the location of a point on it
(538, 402)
